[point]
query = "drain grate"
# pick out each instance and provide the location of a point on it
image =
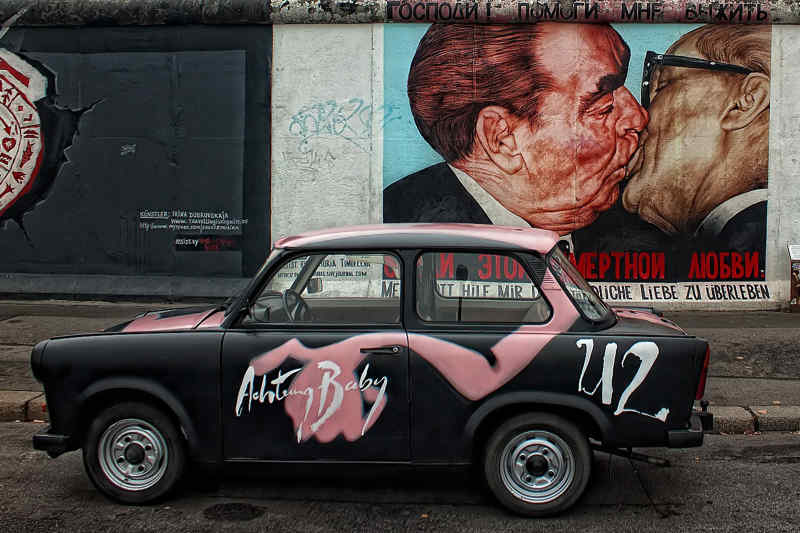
(233, 512)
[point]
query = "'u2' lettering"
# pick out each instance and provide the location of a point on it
(645, 351)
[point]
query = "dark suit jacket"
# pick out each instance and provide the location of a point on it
(433, 194)
(616, 230)
(746, 231)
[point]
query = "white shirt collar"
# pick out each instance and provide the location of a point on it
(715, 221)
(497, 213)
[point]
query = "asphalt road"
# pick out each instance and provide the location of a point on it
(733, 483)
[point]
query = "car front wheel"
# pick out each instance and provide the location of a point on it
(134, 453)
(538, 464)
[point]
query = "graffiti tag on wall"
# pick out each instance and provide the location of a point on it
(316, 125)
(350, 120)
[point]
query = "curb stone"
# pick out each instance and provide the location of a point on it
(36, 409)
(777, 418)
(14, 404)
(732, 419)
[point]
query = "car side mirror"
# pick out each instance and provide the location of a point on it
(314, 285)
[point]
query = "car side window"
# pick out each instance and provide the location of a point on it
(339, 288)
(478, 287)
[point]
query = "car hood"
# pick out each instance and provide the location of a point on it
(641, 322)
(173, 319)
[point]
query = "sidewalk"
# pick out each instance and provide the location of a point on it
(754, 382)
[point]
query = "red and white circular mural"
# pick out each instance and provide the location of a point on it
(21, 142)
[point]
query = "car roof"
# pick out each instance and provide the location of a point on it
(422, 235)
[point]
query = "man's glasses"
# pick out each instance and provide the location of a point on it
(653, 60)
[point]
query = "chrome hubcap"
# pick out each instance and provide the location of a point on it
(537, 466)
(133, 454)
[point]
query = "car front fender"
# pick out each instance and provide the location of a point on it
(146, 388)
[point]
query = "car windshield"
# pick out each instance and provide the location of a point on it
(581, 292)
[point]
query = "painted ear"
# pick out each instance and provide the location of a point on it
(496, 137)
(749, 100)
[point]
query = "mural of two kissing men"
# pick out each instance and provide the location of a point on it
(536, 126)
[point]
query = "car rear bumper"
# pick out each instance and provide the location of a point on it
(693, 435)
(52, 443)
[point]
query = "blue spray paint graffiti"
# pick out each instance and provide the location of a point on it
(350, 120)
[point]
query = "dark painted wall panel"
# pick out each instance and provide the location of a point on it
(173, 119)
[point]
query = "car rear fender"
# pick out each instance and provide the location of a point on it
(564, 404)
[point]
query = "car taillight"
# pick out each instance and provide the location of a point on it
(701, 385)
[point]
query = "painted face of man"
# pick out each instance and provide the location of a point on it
(672, 180)
(588, 126)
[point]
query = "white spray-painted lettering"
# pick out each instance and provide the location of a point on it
(332, 370)
(331, 393)
(608, 369)
(647, 353)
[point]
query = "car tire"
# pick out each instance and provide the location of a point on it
(537, 464)
(134, 453)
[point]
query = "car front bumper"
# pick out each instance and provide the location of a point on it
(52, 443)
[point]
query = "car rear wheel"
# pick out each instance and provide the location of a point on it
(134, 453)
(537, 464)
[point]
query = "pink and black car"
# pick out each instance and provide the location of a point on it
(410, 344)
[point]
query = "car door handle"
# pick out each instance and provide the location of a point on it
(382, 350)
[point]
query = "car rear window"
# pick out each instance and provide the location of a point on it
(474, 287)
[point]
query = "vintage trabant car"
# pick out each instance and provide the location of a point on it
(412, 344)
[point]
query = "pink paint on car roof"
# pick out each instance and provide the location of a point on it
(529, 238)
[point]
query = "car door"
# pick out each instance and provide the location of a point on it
(318, 369)
(475, 324)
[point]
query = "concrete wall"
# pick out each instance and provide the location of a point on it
(327, 82)
(783, 225)
(323, 135)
